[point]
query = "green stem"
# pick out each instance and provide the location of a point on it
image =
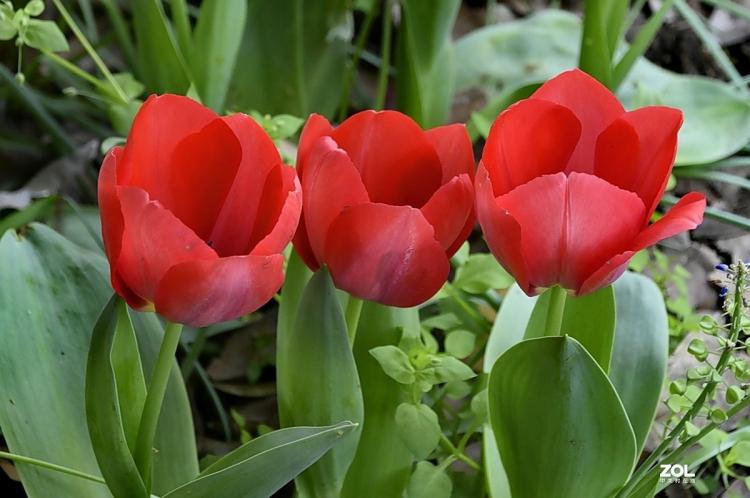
(90, 50)
(77, 71)
(50, 466)
(353, 310)
(124, 40)
(645, 469)
(555, 311)
(458, 454)
(154, 398)
(354, 61)
(385, 55)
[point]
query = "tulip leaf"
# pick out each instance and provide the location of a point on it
(425, 60)
(639, 357)
(508, 329)
(293, 55)
(62, 288)
(322, 387)
(160, 64)
(263, 465)
(501, 58)
(382, 463)
(551, 390)
(218, 35)
(103, 406)
(590, 319)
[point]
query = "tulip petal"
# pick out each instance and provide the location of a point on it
(201, 173)
(636, 152)
(202, 292)
(530, 139)
(153, 241)
(397, 163)
(330, 183)
(160, 125)
(453, 146)
(285, 223)
(570, 225)
(113, 224)
(302, 244)
(591, 102)
(449, 209)
(316, 126)
(685, 215)
(501, 231)
(386, 254)
(233, 228)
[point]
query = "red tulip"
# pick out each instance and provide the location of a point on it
(195, 212)
(568, 182)
(386, 203)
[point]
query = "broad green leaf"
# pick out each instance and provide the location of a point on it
(739, 454)
(323, 386)
(160, 66)
(103, 412)
(382, 464)
(639, 356)
(292, 57)
(480, 273)
(425, 60)
(590, 319)
(43, 355)
(460, 343)
(510, 324)
(218, 35)
(418, 428)
(44, 35)
(429, 481)
(450, 369)
(395, 363)
(552, 407)
(500, 58)
(262, 466)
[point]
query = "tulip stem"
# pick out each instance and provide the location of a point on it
(353, 310)
(154, 398)
(555, 311)
(51, 466)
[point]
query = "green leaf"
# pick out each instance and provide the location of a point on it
(596, 57)
(262, 466)
(460, 343)
(218, 35)
(418, 428)
(292, 57)
(382, 464)
(103, 409)
(425, 60)
(590, 319)
(395, 363)
(550, 389)
(323, 386)
(34, 7)
(639, 355)
(8, 30)
(510, 324)
(739, 454)
(429, 481)
(160, 65)
(64, 287)
(480, 273)
(450, 369)
(44, 35)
